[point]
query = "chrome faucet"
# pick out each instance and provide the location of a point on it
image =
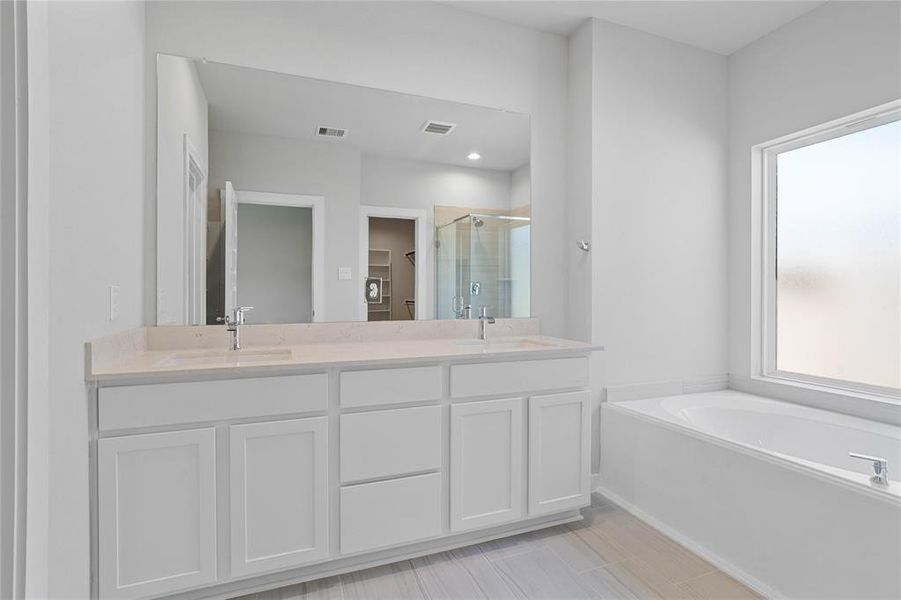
(484, 320)
(880, 467)
(233, 324)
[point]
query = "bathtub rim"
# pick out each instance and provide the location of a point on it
(798, 465)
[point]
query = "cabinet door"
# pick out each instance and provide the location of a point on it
(486, 463)
(558, 452)
(157, 513)
(279, 494)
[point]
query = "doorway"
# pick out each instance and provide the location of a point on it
(267, 252)
(393, 257)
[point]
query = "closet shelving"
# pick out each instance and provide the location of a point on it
(380, 266)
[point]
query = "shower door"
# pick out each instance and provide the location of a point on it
(497, 253)
(452, 254)
(483, 261)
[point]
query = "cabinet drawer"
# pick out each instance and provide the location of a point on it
(170, 403)
(483, 379)
(390, 386)
(390, 442)
(386, 513)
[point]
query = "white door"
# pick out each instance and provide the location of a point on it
(558, 452)
(157, 513)
(230, 215)
(486, 463)
(279, 494)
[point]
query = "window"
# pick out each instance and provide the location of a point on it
(832, 259)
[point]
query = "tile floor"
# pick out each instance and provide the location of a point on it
(609, 555)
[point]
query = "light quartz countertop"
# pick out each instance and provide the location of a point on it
(187, 352)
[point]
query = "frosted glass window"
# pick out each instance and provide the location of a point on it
(838, 261)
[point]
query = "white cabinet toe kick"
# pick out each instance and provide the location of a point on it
(220, 487)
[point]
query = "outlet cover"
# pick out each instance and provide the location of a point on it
(345, 273)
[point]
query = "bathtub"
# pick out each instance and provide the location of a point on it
(763, 489)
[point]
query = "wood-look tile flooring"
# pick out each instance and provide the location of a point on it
(609, 555)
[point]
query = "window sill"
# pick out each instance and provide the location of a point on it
(874, 407)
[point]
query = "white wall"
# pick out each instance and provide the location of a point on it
(415, 184)
(86, 159)
(832, 62)
(260, 163)
(521, 186)
(396, 46)
(182, 111)
(658, 207)
(582, 122)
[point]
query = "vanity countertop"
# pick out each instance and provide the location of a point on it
(128, 357)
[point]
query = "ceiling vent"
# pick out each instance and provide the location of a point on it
(438, 128)
(331, 132)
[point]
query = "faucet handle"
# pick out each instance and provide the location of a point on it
(239, 313)
(483, 314)
(226, 319)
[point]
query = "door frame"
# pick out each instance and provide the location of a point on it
(317, 204)
(22, 240)
(195, 214)
(419, 216)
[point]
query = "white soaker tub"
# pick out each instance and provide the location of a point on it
(764, 489)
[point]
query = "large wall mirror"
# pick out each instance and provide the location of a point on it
(315, 201)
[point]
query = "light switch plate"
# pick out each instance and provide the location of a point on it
(344, 273)
(113, 302)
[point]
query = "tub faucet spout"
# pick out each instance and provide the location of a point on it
(880, 467)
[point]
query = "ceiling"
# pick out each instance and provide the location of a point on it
(378, 122)
(721, 26)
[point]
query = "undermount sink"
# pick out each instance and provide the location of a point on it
(502, 344)
(223, 357)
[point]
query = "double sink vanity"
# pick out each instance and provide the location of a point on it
(324, 448)
(363, 417)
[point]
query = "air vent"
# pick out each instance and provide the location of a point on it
(331, 132)
(438, 128)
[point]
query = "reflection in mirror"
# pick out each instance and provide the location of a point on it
(318, 201)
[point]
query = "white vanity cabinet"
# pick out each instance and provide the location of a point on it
(278, 490)
(222, 486)
(157, 512)
(559, 455)
(486, 463)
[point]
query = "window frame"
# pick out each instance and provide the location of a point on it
(763, 253)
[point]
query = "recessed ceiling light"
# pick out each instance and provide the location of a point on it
(474, 156)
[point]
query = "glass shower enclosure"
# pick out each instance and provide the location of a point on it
(483, 260)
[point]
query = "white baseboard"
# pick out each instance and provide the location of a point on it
(723, 565)
(340, 565)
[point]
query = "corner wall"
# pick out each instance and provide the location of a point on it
(658, 207)
(647, 186)
(86, 161)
